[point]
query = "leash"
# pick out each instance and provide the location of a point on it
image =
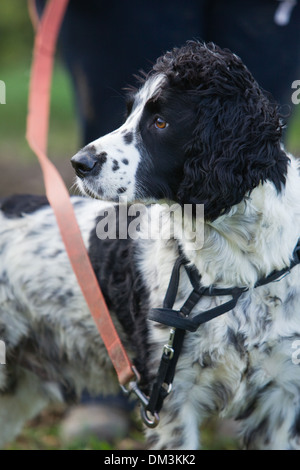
(57, 194)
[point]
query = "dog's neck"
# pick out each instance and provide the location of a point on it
(256, 237)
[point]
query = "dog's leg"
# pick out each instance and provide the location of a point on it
(271, 421)
(17, 407)
(178, 428)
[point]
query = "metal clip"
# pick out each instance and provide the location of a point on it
(168, 348)
(143, 400)
(150, 423)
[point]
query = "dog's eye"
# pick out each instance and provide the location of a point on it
(160, 123)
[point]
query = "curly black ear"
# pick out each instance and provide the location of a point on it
(236, 142)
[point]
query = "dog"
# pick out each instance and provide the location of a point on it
(199, 131)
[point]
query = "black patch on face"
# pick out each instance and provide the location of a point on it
(128, 138)
(163, 155)
(116, 165)
(102, 157)
(125, 161)
(233, 143)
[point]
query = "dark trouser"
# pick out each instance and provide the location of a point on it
(105, 43)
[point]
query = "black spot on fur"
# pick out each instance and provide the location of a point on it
(125, 161)
(128, 138)
(176, 443)
(40, 354)
(295, 430)
(115, 166)
(124, 290)
(20, 204)
(177, 431)
(206, 360)
(152, 440)
(259, 433)
(102, 157)
(252, 405)
(121, 190)
(11, 378)
(222, 393)
(237, 340)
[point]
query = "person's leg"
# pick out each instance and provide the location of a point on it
(105, 44)
(271, 52)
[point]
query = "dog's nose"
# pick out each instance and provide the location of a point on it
(83, 163)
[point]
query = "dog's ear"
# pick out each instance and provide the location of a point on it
(236, 143)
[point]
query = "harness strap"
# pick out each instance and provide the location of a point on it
(171, 352)
(179, 318)
(180, 323)
(276, 275)
(57, 194)
(165, 376)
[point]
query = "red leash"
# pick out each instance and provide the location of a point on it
(58, 196)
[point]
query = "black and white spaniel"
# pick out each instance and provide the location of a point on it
(199, 131)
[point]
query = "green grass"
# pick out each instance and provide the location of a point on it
(293, 132)
(43, 433)
(63, 134)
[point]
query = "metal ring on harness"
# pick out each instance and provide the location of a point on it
(143, 400)
(150, 423)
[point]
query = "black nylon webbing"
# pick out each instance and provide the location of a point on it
(180, 320)
(166, 371)
(165, 375)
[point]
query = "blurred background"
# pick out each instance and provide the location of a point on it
(19, 170)
(20, 173)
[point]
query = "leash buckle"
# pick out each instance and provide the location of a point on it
(168, 348)
(132, 387)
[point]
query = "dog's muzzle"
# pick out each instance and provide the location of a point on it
(85, 163)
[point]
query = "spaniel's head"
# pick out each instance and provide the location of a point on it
(199, 130)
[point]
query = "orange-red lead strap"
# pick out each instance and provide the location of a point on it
(58, 196)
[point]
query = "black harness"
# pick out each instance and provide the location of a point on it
(180, 322)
